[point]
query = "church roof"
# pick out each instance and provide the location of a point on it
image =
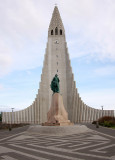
(56, 20)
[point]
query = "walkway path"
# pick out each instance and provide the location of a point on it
(22, 145)
(101, 129)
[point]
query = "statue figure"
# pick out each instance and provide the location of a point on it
(55, 84)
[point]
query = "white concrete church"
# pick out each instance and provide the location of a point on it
(56, 61)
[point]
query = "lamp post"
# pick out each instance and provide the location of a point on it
(12, 116)
(102, 110)
(10, 128)
(97, 123)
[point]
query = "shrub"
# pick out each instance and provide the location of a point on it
(107, 121)
(10, 126)
(107, 124)
(106, 118)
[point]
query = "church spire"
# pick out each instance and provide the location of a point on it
(56, 26)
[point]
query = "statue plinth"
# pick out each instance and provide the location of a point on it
(57, 115)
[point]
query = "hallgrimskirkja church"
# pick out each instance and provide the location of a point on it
(56, 61)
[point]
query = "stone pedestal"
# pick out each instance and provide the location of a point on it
(57, 115)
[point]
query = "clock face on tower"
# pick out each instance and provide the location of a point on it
(56, 41)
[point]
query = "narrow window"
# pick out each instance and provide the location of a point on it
(60, 32)
(57, 70)
(56, 31)
(57, 63)
(51, 32)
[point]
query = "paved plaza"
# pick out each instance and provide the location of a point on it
(19, 144)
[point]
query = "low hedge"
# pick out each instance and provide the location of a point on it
(107, 121)
(7, 126)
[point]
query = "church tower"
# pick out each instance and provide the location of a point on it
(56, 61)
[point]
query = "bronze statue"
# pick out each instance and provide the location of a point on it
(55, 84)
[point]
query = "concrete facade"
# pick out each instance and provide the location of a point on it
(56, 61)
